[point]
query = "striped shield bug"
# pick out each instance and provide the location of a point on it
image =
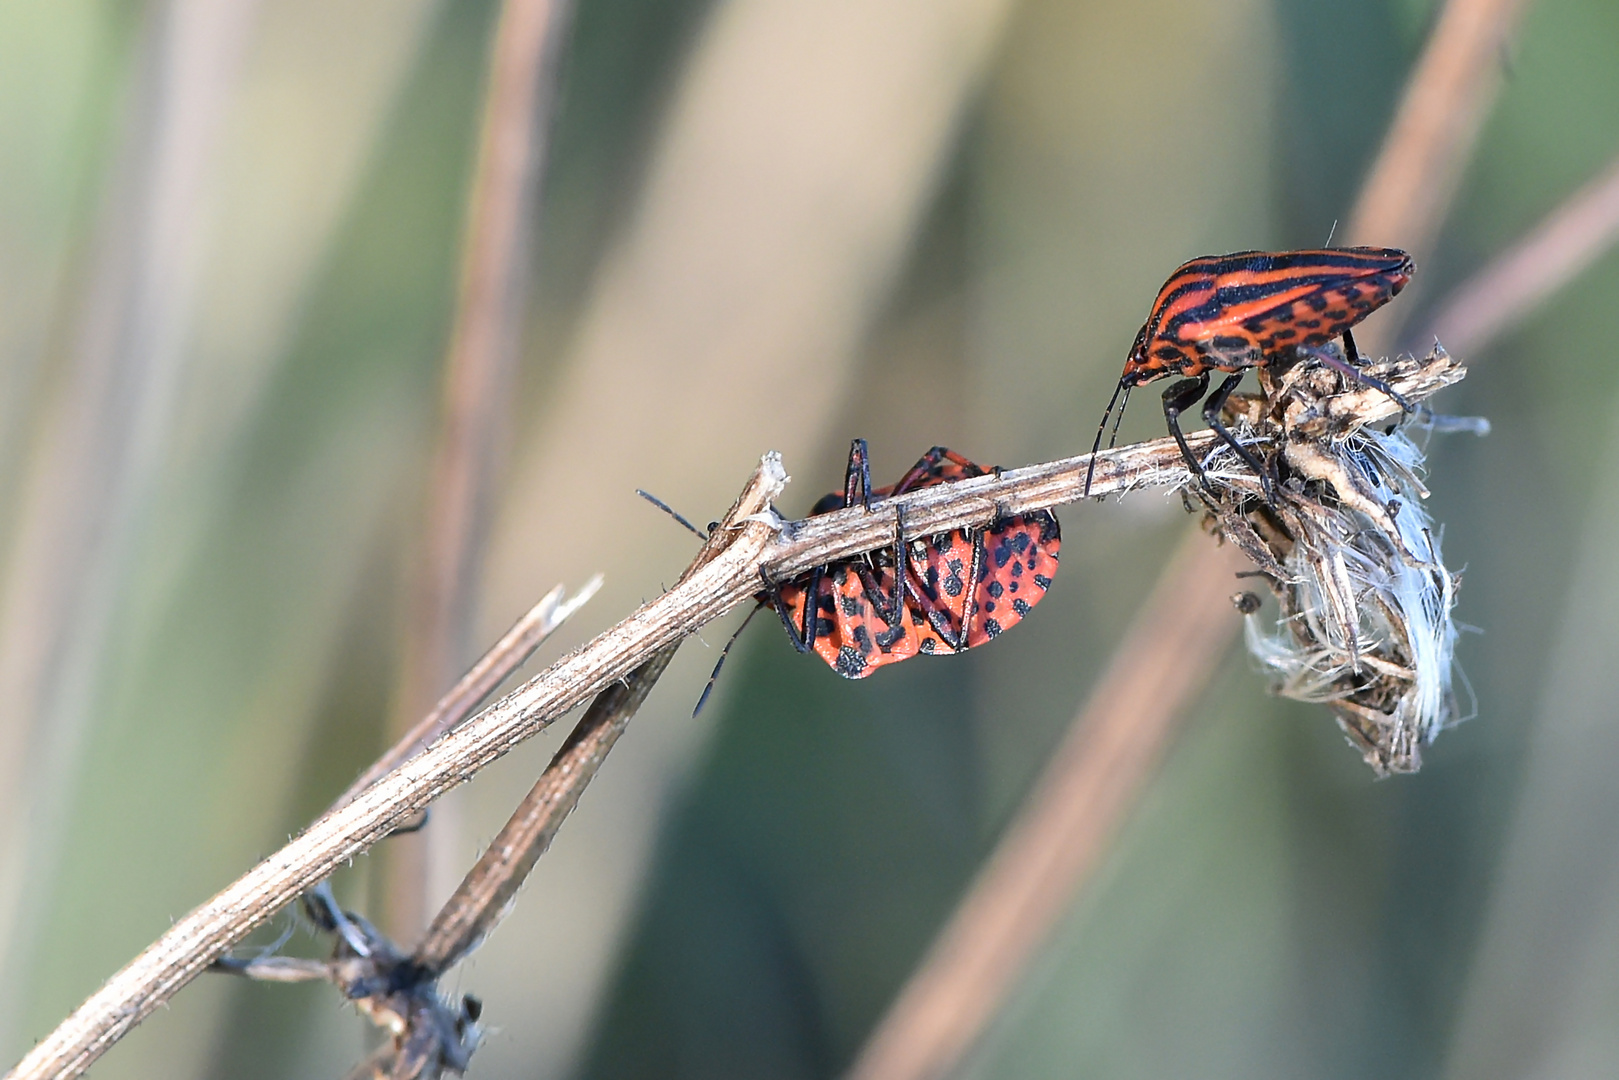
(934, 595)
(1253, 309)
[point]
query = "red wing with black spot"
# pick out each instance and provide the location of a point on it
(849, 632)
(1019, 561)
(961, 588)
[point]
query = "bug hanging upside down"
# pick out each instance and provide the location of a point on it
(1254, 309)
(933, 595)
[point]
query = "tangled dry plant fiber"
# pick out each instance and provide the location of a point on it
(1349, 552)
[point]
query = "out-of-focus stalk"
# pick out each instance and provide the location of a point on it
(91, 470)
(981, 951)
(476, 404)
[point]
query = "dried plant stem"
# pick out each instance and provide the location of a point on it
(490, 886)
(488, 889)
(1517, 281)
(940, 1012)
(731, 578)
(505, 657)
(477, 376)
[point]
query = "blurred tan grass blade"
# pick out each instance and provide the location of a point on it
(1066, 824)
(100, 446)
(1407, 195)
(1517, 281)
(476, 409)
(794, 157)
(1423, 154)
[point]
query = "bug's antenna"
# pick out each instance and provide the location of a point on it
(667, 509)
(1331, 232)
(1113, 436)
(1090, 472)
(703, 700)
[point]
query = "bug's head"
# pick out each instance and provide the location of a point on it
(1137, 367)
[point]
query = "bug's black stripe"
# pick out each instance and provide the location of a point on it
(1292, 267)
(1222, 299)
(1363, 259)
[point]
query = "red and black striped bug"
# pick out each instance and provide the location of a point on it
(945, 594)
(931, 595)
(1253, 309)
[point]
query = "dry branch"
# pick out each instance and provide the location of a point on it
(762, 539)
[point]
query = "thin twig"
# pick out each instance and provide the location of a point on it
(732, 578)
(486, 893)
(1406, 193)
(490, 886)
(490, 670)
(1518, 280)
(478, 364)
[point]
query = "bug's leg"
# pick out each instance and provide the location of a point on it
(1113, 436)
(857, 480)
(1211, 414)
(803, 639)
(1349, 367)
(899, 566)
(922, 473)
(1177, 399)
(714, 676)
(890, 608)
(959, 639)
(974, 576)
(413, 825)
(1351, 350)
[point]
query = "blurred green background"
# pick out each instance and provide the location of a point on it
(228, 247)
